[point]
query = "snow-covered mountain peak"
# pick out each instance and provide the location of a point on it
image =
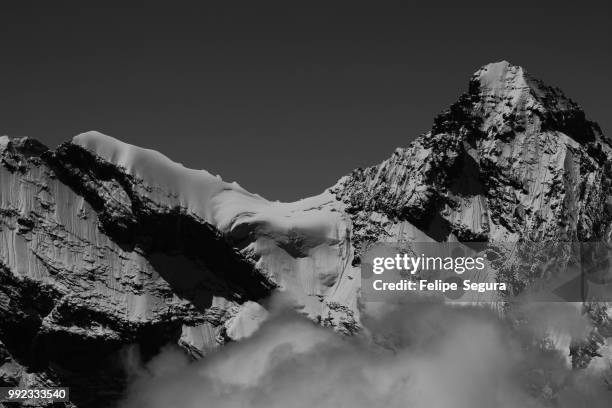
(500, 77)
(250, 222)
(505, 89)
(504, 80)
(148, 164)
(509, 129)
(169, 182)
(504, 100)
(518, 89)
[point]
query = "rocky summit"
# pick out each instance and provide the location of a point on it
(106, 247)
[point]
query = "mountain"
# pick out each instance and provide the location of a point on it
(106, 246)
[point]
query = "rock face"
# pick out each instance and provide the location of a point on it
(105, 247)
(511, 159)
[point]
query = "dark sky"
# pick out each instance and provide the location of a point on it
(282, 99)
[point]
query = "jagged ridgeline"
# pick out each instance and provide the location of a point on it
(105, 246)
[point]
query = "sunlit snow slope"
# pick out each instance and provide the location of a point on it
(304, 247)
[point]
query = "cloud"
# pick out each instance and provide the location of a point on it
(417, 355)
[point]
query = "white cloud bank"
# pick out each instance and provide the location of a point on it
(418, 355)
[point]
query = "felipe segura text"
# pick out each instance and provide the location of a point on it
(437, 285)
